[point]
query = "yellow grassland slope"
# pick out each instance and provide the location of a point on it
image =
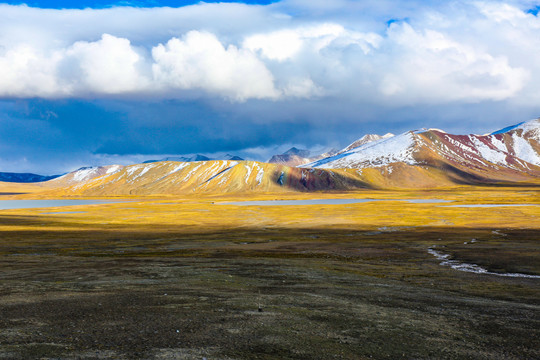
(250, 176)
(237, 177)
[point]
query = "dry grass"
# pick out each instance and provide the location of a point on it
(335, 281)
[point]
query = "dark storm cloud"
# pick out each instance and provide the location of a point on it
(51, 136)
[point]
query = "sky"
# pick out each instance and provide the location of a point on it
(86, 83)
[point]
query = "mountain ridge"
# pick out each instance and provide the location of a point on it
(297, 157)
(196, 157)
(508, 154)
(25, 177)
(418, 159)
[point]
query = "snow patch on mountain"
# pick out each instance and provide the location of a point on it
(378, 153)
(144, 171)
(498, 144)
(248, 169)
(135, 172)
(178, 168)
(531, 129)
(113, 169)
(494, 156)
(193, 171)
(365, 140)
(524, 150)
(260, 174)
(83, 174)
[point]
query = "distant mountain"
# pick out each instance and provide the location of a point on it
(416, 159)
(25, 177)
(364, 140)
(230, 157)
(297, 152)
(327, 154)
(197, 157)
(297, 157)
(512, 154)
(291, 157)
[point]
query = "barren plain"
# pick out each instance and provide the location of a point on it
(187, 277)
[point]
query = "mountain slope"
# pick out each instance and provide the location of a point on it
(415, 159)
(82, 175)
(250, 176)
(196, 157)
(364, 140)
(521, 141)
(510, 155)
(213, 176)
(297, 157)
(291, 157)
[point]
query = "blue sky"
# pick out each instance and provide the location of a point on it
(97, 82)
(74, 4)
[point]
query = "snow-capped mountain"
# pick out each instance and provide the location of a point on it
(415, 159)
(521, 140)
(291, 157)
(230, 157)
(508, 154)
(374, 153)
(84, 174)
(364, 140)
(296, 157)
(196, 157)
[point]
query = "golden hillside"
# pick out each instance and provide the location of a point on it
(221, 176)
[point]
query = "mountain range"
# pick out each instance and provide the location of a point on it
(511, 154)
(25, 177)
(296, 157)
(426, 158)
(196, 157)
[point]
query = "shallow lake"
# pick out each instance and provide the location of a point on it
(35, 204)
(489, 205)
(63, 212)
(326, 202)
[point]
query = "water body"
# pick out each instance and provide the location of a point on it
(63, 212)
(489, 205)
(326, 202)
(473, 268)
(36, 204)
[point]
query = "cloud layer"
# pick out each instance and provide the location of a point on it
(461, 51)
(98, 86)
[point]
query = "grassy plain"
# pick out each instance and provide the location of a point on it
(183, 278)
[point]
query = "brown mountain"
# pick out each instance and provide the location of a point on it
(509, 155)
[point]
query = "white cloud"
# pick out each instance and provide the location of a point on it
(461, 51)
(279, 45)
(285, 44)
(200, 61)
(108, 66)
(26, 72)
(432, 66)
(302, 88)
